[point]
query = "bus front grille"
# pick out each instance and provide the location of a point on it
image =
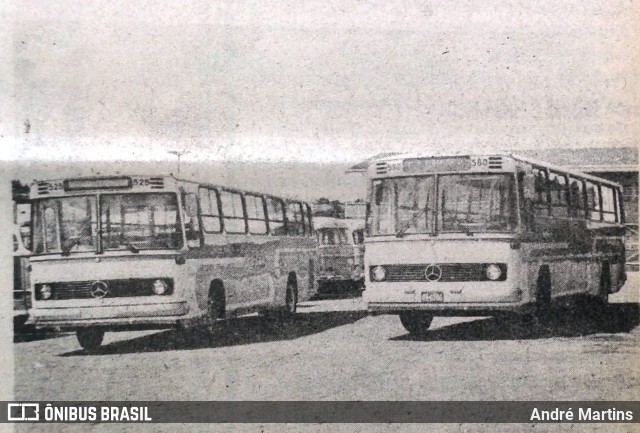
(449, 272)
(103, 288)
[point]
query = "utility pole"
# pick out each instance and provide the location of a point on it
(178, 153)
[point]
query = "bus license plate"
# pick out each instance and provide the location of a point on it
(432, 297)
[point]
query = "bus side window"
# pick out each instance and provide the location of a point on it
(576, 196)
(255, 214)
(191, 224)
(275, 214)
(210, 210)
(308, 220)
(295, 225)
(559, 193)
(233, 212)
(540, 201)
(593, 202)
(608, 204)
(620, 209)
(328, 237)
(342, 236)
(358, 237)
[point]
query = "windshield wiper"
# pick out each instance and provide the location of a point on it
(85, 231)
(130, 247)
(404, 229)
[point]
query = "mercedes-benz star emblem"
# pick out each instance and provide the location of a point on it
(433, 273)
(99, 289)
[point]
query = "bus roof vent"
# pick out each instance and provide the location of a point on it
(495, 163)
(43, 188)
(381, 167)
(156, 183)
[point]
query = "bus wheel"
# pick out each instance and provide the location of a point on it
(215, 307)
(543, 295)
(416, 323)
(291, 298)
(90, 338)
(605, 285)
(597, 309)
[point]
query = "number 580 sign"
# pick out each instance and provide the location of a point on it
(479, 162)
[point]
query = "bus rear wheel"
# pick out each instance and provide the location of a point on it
(291, 299)
(417, 323)
(290, 307)
(216, 307)
(597, 308)
(605, 285)
(543, 296)
(90, 338)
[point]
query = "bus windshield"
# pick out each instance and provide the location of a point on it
(473, 203)
(403, 205)
(467, 203)
(332, 236)
(147, 221)
(62, 224)
(129, 221)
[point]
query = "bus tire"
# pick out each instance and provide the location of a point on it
(543, 295)
(416, 323)
(605, 284)
(90, 338)
(291, 297)
(598, 307)
(216, 306)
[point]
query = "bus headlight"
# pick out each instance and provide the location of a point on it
(45, 291)
(159, 287)
(493, 272)
(378, 273)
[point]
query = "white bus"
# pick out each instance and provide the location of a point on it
(112, 253)
(487, 234)
(340, 255)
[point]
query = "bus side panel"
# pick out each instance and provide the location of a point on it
(244, 269)
(254, 272)
(569, 276)
(574, 269)
(299, 257)
(569, 270)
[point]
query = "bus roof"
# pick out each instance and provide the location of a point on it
(399, 158)
(151, 183)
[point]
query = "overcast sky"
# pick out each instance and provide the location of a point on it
(320, 80)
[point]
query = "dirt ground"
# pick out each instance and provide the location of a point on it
(334, 350)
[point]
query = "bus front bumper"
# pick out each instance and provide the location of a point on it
(332, 278)
(164, 314)
(451, 309)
